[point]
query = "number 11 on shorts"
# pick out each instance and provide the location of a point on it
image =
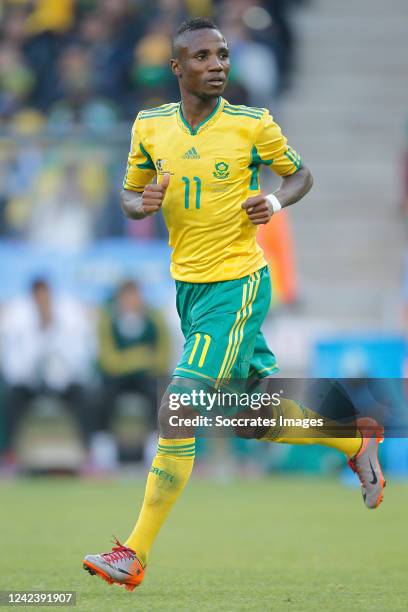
(207, 341)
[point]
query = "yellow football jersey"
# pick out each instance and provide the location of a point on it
(213, 170)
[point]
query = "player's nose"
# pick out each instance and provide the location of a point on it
(216, 65)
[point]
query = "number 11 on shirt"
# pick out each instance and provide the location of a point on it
(187, 183)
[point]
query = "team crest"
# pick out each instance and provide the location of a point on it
(221, 170)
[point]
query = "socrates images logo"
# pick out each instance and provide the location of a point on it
(221, 170)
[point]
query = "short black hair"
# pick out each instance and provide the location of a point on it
(191, 25)
(196, 23)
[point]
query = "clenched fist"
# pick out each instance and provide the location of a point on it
(259, 209)
(153, 196)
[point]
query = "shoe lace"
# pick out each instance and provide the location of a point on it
(119, 552)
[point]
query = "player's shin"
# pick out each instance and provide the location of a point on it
(169, 473)
(288, 431)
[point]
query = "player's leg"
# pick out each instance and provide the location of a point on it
(170, 471)
(360, 450)
(168, 475)
(360, 447)
(263, 363)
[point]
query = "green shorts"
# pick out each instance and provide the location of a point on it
(221, 323)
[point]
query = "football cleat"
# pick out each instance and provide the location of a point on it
(121, 566)
(366, 465)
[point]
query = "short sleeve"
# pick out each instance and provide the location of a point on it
(271, 148)
(140, 167)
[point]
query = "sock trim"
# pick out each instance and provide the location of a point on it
(176, 441)
(181, 446)
(171, 447)
(174, 454)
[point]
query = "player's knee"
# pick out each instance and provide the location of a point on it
(174, 420)
(163, 414)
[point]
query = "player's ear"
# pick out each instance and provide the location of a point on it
(175, 68)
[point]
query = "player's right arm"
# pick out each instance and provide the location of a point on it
(139, 197)
(138, 205)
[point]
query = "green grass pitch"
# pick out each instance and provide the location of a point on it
(271, 544)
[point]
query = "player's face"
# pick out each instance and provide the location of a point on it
(203, 64)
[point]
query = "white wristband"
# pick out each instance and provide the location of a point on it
(276, 205)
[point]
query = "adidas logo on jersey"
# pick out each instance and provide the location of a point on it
(191, 154)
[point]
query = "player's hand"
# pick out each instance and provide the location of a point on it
(259, 209)
(153, 196)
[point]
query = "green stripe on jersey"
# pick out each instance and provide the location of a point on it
(256, 162)
(169, 114)
(149, 163)
(257, 159)
(159, 109)
(251, 109)
(297, 162)
(295, 155)
(241, 114)
(126, 175)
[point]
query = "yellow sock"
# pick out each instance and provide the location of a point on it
(170, 471)
(314, 435)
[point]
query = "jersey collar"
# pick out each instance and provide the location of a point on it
(212, 117)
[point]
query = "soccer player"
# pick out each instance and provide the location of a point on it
(207, 155)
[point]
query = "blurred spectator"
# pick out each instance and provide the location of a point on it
(46, 349)
(199, 8)
(75, 74)
(260, 85)
(51, 16)
(259, 34)
(16, 80)
(109, 56)
(19, 169)
(284, 39)
(40, 45)
(151, 74)
(133, 351)
(66, 204)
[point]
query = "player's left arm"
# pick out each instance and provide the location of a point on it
(294, 187)
(271, 149)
